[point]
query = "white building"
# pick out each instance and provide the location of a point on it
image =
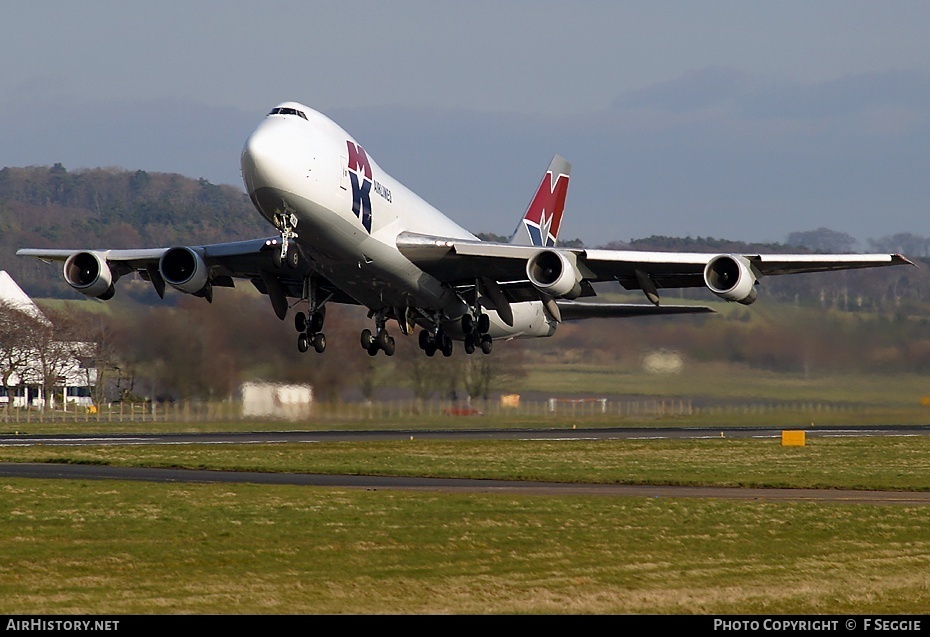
(276, 400)
(23, 388)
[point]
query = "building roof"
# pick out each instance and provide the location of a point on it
(13, 295)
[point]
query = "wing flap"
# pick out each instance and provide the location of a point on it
(577, 310)
(462, 260)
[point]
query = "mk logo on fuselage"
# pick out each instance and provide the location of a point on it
(362, 184)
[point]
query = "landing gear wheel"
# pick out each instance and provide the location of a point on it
(470, 344)
(389, 348)
(424, 339)
(383, 339)
(373, 349)
(367, 340)
(300, 322)
(315, 322)
(303, 342)
(484, 323)
(276, 258)
(446, 346)
(293, 258)
(319, 343)
(430, 349)
(486, 344)
(468, 323)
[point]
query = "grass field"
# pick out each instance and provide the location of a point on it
(78, 547)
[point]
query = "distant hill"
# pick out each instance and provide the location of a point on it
(51, 207)
(42, 207)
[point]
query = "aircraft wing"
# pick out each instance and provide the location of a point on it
(139, 259)
(192, 269)
(729, 276)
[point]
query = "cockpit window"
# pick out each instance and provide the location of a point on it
(287, 111)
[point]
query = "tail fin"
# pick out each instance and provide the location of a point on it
(540, 225)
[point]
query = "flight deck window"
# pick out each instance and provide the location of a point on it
(287, 111)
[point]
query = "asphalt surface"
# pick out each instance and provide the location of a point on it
(96, 472)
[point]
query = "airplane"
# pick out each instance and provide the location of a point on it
(350, 233)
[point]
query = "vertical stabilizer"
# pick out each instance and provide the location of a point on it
(540, 225)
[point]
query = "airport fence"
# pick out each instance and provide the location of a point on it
(606, 409)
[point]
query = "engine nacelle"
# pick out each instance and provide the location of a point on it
(730, 277)
(182, 268)
(88, 273)
(553, 273)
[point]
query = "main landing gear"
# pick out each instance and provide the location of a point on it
(310, 329)
(431, 342)
(476, 333)
(476, 336)
(380, 340)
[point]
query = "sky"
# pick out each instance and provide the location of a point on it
(726, 119)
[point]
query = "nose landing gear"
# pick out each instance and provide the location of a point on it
(286, 222)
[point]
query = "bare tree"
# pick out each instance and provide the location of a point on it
(484, 374)
(96, 349)
(17, 337)
(51, 360)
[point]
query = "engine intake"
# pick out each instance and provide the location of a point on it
(182, 268)
(553, 273)
(731, 278)
(88, 273)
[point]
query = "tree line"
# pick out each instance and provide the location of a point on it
(184, 347)
(199, 350)
(52, 207)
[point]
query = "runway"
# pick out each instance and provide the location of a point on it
(100, 472)
(452, 485)
(262, 437)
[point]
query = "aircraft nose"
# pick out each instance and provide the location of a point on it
(258, 156)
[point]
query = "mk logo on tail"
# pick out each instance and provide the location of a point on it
(540, 224)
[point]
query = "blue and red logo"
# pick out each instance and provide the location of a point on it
(360, 174)
(544, 214)
(363, 183)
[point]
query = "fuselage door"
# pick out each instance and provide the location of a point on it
(344, 180)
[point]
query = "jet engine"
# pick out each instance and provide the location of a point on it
(553, 273)
(88, 273)
(731, 278)
(184, 269)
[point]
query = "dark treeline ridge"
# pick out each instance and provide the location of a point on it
(855, 320)
(51, 207)
(43, 207)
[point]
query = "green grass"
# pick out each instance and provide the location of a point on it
(73, 547)
(121, 547)
(887, 463)
(728, 383)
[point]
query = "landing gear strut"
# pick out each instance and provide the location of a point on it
(310, 327)
(286, 222)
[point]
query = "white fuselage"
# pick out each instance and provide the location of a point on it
(349, 213)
